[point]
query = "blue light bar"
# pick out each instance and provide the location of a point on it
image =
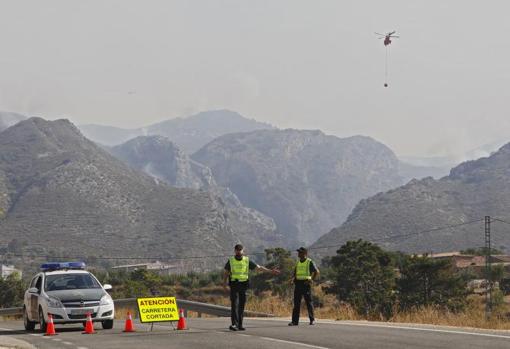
(62, 266)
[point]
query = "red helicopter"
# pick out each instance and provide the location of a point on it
(387, 37)
(387, 40)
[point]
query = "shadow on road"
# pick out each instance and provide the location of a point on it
(13, 332)
(57, 329)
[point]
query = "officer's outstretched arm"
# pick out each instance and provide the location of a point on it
(265, 270)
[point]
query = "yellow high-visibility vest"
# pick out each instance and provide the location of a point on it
(239, 269)
(303, 270)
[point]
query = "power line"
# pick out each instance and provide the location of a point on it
(166, 258)
(410, 234)
(500, 220)
(161, 258)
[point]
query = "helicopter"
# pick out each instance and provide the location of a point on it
(387, 37)
(387, 40)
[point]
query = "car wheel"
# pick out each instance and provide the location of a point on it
(29, 325)
(107, 324)
(42, 321)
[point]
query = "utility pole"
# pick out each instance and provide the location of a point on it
(488, 265)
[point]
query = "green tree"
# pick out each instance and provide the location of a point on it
(12, 290)
(363, 275)
(480, 251)
(426, 281)
(497, 272)
(280, 259)
(149, 279)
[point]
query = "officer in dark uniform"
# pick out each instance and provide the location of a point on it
(237, 274)
(304, 273)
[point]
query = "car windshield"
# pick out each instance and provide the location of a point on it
(70, 282)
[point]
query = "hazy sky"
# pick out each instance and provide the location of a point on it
(302, 64)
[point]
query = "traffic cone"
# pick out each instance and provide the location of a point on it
(50, 327)
(89, 325)
(129, 327)
(181, 324)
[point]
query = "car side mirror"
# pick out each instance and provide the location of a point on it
(33, 290)
(107, 287)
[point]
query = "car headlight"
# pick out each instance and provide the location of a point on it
(106, 300)
(54, 303)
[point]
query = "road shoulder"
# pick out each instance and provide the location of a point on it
(7, 342)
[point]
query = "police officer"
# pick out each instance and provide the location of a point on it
(304, 273)
(237, 274)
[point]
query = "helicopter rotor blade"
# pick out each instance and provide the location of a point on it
(393, 32)
(379, 34)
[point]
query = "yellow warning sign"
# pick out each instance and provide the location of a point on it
(157, 309)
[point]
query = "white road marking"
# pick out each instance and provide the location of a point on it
(57, 339)
(6, 329)
(283, 341)
(433, 330)
(82, 348)
(67, 343)
(293, 343)
(401, 328)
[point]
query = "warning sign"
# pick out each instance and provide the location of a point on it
(157, 309)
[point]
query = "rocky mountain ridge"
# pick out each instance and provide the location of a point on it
(406, 218)
(160, 158)
(306, 181)
(189, 134)
(61, 194)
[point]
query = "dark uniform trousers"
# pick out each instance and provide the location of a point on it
(302, 289)
(237, 302)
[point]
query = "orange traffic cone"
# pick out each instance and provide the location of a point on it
(50, 327)
(129, 327)
(181, 324)
(89, 325)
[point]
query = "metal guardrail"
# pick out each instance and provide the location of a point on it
(200, 308)
(11, 311)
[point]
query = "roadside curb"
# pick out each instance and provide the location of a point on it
(388, 324)
(7, 342)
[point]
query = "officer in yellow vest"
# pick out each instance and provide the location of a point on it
(304, 273)
(237, 275)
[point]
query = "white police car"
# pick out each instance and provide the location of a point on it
(68, 292)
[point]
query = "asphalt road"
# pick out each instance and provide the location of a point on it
(263, 333)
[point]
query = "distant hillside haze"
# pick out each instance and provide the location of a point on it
(473, 189)
(189, 134)
(306, 181)
(439, 166)
(160, 158)
(8, 119)
(408, 172)
(61, 194)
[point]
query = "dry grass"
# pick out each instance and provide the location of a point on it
(473, 316)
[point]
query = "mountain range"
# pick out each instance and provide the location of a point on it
(62, 195)
(306, 181)
(158, 157)
(408, 218)
(253, 184)
(189, 134)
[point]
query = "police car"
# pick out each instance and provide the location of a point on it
(68, 292)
